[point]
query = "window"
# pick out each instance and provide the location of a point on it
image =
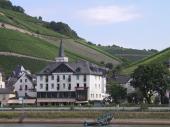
(0, 86)
(58, 78)
(96, 95)
(69, 87)
(20, 88)
(99, 85)
(25, 80)
(77, 84)
(46, 87)
(77, 77)
(41, 78)
(26, 87)
(91, 95)
(46, 78)
(52, 77)
(99, 95)
(69, 78)
(85, 85)
(41, 86)
(84, 78)
(20, 80)
(64, 85)
(95, 85)
(58, 86)
(52, 86)
(64, 77)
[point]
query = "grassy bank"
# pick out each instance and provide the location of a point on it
(83, 114)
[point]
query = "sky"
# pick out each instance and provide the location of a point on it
(140, 24)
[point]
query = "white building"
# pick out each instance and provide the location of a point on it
(23, 83)
(70, 82)
(25, 87)
(5, 93)
(2, 83)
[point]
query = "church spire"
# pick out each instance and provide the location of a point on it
(61, 57)
(61, 50)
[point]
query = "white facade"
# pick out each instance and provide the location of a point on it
(24, 86)
(96, 85)
(2, 83)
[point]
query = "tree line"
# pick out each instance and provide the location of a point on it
(8, 5)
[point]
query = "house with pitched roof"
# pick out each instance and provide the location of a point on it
(5, 92)
(23, 82)
(64, 82)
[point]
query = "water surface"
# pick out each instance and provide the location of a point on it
(74, 125)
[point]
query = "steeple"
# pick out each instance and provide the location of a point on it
(61, 57)
(61, 50)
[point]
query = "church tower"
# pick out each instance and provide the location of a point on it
(61, 57)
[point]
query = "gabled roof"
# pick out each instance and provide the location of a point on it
(78, 67)
(63, 67)
(122, 79)
(18, 71)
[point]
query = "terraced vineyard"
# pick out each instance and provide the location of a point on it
(76, 49)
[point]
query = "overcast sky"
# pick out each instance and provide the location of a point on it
(141, 24)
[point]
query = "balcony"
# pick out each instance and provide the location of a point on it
(81, 88)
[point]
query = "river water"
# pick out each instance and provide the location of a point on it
(72, 125)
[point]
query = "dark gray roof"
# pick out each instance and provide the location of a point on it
(61, 50)
(5, 91)
(122, 79)
(17, 71)
(78, 67)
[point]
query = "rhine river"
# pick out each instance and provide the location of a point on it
(72, 125)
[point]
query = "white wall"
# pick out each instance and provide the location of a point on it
(2, 84)
(97, 87)
(96, 84)
(25, 81)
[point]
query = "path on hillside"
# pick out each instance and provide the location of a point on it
(24, 56)
(75, 48)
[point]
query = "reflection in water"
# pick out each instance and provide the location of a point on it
(72, 125)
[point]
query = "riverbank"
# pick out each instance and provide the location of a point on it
(82, 114)
(81, 121)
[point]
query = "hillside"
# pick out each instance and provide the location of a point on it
(160, 57)
(8, 63)
(131, 55)
(26, 35)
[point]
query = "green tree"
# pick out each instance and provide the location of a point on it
(63, 29)
(109, 65)
(118, 92)
(40, 18)
(149, 79)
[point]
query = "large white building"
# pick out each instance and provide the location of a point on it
(70, 82)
